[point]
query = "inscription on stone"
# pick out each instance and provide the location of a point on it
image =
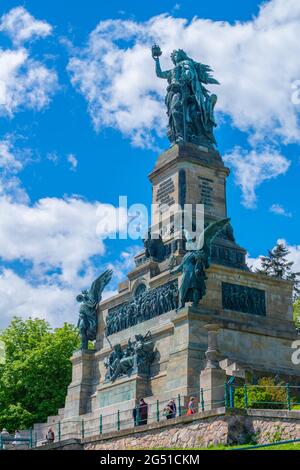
(164, 193)
(117, 395)
(206, 192)
(228, 256)
(243, 299)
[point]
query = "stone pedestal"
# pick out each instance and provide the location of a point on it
(253, 311)
(212, 382)
(113, 394)
(116, 400)
(188, 174)
(212, 378)
(212, 354)
(191, 175)
(186, 357)
(81, 387)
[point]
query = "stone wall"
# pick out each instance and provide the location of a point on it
(205, 429)
(68, 444)
(215, 427)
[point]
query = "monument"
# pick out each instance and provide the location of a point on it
(183, 318)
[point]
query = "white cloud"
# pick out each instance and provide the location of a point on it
(73, 161)
(53, 233)
(25, 83)
(12, 162)
(54, 243)
(253, 168)
(125, 263)
(12, 190)
(8, 160)
(50, 301)
(294, 254)
(280, 210)
(255, 61)
(253, 263)
(53, 157)
(21, 26)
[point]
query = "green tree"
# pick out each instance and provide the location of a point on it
(276, 264)
(36, 372)
(296, 313)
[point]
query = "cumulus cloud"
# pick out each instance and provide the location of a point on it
(55, 241)
(115, 71)
(12, 162)
(254, 167)
(53, 233)
(21, 26)
(48, 249)
(20, 297)
(25, 83)
(280, 210)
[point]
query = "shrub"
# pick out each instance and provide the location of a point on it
(267, 394)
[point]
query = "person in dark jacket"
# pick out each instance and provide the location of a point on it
(135, 415)
(173, 408)
(143, 412)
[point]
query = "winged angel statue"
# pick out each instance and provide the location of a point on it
(190, 106)
(194, 263)
(87, 322)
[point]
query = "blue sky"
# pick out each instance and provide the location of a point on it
(77, 129)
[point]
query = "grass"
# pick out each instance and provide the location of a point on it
(290, 446)
(295, 446)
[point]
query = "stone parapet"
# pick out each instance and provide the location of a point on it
(219, 426)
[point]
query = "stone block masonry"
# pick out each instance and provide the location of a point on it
(207, 429)
(204, 429)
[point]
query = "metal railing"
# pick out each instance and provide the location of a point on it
(232, 396)
(9, 441)
(227, 395)
(119, 420)
(262, 396)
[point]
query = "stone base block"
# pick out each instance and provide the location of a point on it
(80, 389)
(212, 382)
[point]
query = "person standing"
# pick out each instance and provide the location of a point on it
(4, 435)
(50, 436)
(170, 410)
(192, 406)
(143, 412)
(135, 414)
(173, 408)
